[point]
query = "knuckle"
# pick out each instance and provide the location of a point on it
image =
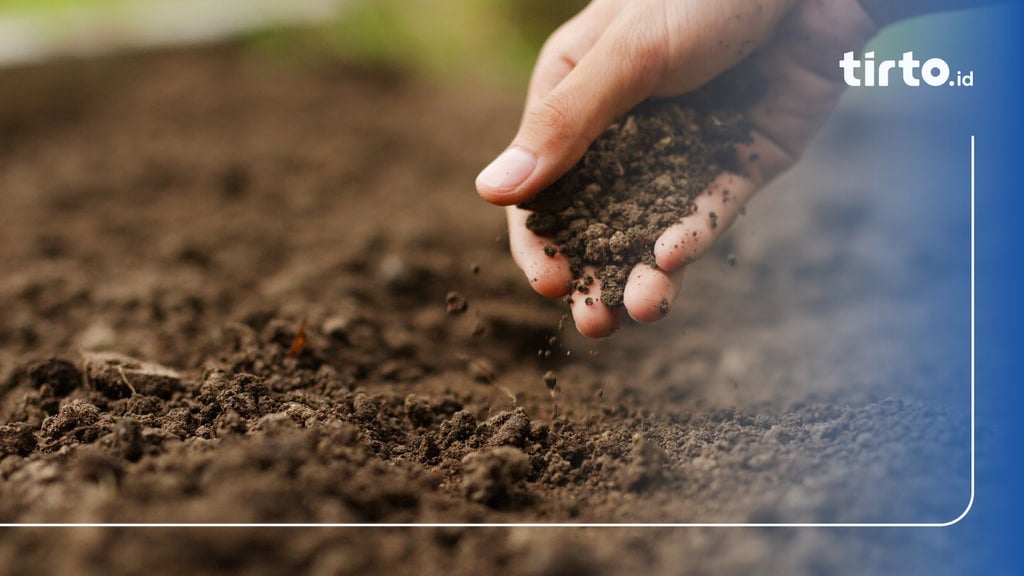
(562, 48)
(555, 118)
(645, 46)
(556, 41)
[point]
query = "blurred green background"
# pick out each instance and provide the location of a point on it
(23, 6)
(487, 37)
(496, 40)
(493, 40)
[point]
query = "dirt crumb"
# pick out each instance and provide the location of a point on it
(479, 329)
(647, 466)
(418, 410)
(511, 428)
(119, 376)
(494, 476)
(74, 418)
(550, 380)
(58, 374)
(664, 307)
(461, 426)
(456, 303)
(17, 438)
(128, 438)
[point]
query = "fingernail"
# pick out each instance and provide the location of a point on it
(507, 172)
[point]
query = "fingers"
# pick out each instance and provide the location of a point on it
(714, 211)
(567, 46)
(647, 297)
(593, 319)
(559, 56)
(614, 55)
(618, 71)
(704, 39)
(650, 292)
(803, 80)
(500, 181)
(548, 275)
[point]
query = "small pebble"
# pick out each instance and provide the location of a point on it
(456, 303)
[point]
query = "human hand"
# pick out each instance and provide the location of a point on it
(616, 53)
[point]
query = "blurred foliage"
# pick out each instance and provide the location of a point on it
(494, 40)
(32, 6)
(489, 39)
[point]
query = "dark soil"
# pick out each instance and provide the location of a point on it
(172, 222)
(638, 178)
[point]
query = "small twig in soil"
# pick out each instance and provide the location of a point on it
(126, 382)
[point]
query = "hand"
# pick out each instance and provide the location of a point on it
(616, 53)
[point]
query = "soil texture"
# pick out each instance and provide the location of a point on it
(244, 289)
(638, 178)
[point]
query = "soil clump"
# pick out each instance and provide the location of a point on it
(638, 178)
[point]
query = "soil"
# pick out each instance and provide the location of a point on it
(245, 289)
(638, 178)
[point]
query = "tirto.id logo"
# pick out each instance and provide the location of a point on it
(933, 72)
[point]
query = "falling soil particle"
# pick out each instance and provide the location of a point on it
(550, 380)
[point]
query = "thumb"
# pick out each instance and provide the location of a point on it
(614, 76)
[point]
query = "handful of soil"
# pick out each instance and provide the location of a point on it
(637, 179)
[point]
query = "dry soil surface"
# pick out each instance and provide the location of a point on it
(169, 222)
